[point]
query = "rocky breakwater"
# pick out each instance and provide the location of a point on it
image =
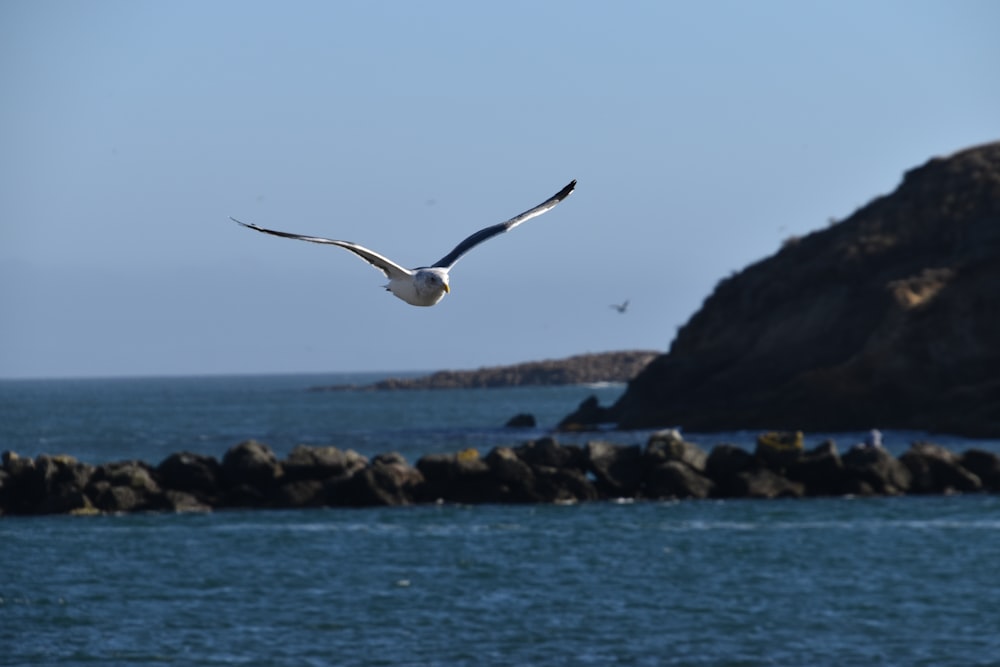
(888, 319)
(250, 475)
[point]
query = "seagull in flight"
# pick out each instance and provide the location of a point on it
(426, 285)
(620, 307)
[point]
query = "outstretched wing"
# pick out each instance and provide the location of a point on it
(383, 264)
(468, 244)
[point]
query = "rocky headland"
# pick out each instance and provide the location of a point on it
(578, 369)
(250, 475)
(887, 319)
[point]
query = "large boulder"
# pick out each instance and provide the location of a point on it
(522, 420)
(668, 445)
(64, 481)
(675, 479)
(935, 469)
(564, 485)
(195, 474)
(554, 474)
(296, 493)
(44, 485)
(515, 480)
(725, 462)
(462, 477)
(885, 318)
(388, 481)
(126, 486)
(984, 465)
(764, 483)
(548, 452)
(250, 464)
(821, 471)
(307, 462)
(874, 471)
(617, 468)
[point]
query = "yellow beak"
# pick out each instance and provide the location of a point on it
(447, 289)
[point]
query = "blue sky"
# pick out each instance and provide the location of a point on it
(702, 135)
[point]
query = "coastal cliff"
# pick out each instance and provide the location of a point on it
(889, 319)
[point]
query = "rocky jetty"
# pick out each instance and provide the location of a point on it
(578, 369)
(888, 319)
(250, 475)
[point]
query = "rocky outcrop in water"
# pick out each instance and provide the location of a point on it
(579, 369)
(888, 319)
(250, 475)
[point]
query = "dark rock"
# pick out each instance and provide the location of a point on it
(181, 501)
(617, 468)
(251, 464)
(675, 479)
(305, 462)
(117, 499)
(668, 445)
(522, 420)
(586, 416)
(515, 479)
(195, 474)
(563, 485)
(764, 483)
(295, 493)
(246, 496)
(888, 317)
(373, 486)
(934, 469)
(548, 452)
(821, 471)
(68, 502)
(553, 475)
(4, 488)
(726, 461)
(126, 486)
(44, 485)
(873, 470)
(390, 480)
(463, 477)
(136, 475)
(984, 465)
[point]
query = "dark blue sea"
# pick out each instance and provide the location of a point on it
(884, 581)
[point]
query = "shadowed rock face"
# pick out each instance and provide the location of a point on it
(890, 318)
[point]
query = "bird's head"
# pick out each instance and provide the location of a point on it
(432, 283)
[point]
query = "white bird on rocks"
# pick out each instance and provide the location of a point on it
(425, 286)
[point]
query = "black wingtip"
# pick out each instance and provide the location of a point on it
(245, 224)
(562, 194)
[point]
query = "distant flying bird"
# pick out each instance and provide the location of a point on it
(425, 286)
(620, 307)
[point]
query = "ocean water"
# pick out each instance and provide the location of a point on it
(838, 581)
